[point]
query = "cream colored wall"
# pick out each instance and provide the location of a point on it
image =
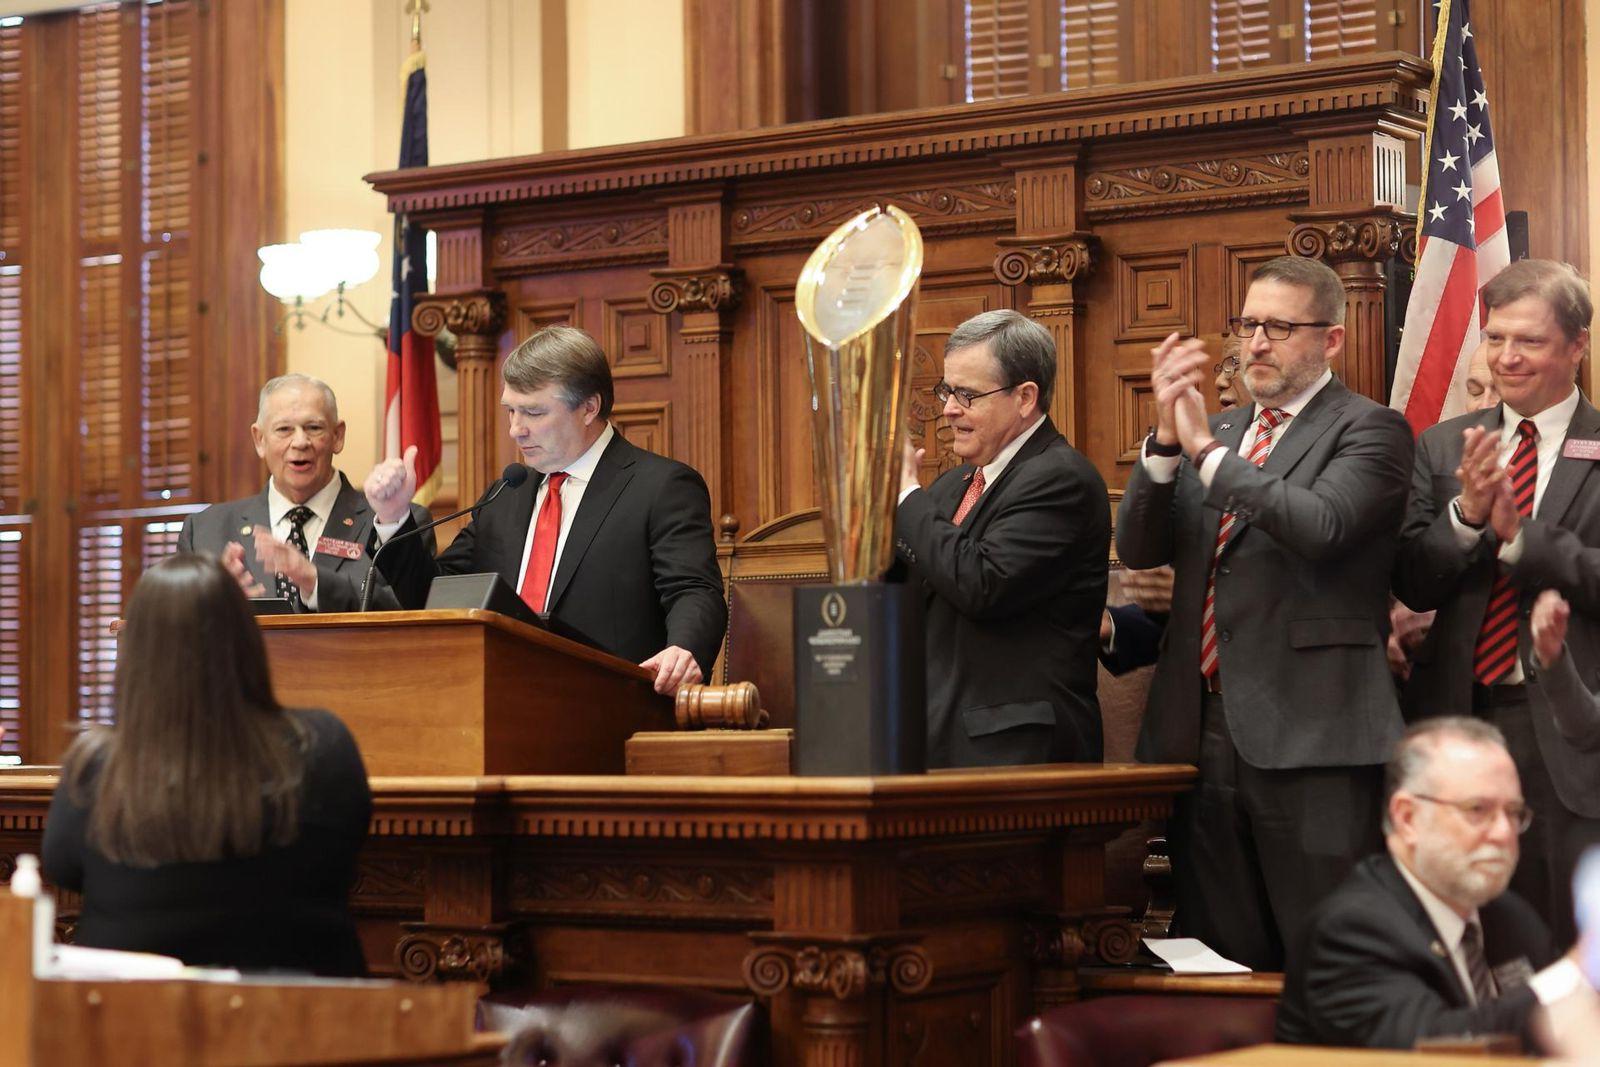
(625, 71)
(484, 101)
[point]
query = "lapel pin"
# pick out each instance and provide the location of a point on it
(1224, 425)
(245, 529)
(1439, 950)
(349, 522)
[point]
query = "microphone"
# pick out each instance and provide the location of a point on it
(512, 477)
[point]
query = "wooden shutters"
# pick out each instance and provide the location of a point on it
(1002, 39)
(14, 489)
(136, 397)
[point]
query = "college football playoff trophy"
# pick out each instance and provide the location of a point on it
(859, 701)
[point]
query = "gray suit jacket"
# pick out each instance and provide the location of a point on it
(338, 578)
(1302, 586)
(1561, 550)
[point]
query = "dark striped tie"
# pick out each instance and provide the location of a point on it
(298, 517)
(1266, 426)
(1496, 652)
(1477, 965)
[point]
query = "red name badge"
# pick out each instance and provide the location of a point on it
(332, 546)
(1581, 448)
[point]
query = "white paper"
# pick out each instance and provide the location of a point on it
(100, 964)
(1189, 955)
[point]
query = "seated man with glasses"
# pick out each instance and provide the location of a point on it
(1425, 940)
(1011, 551)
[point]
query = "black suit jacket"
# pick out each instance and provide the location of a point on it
(1372, 971)
(1561, 550)
(1012, 607)
(1302, 600)
(1135, 638)
(338, 578)
(638, 571)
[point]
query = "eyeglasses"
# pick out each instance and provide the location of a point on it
(1480, 813)
(1228, 364)
(944, 391)
(1277, 329)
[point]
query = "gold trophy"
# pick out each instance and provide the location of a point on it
(858, 642)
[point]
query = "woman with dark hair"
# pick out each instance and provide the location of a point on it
(210, 823)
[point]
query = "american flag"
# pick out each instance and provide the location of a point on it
(411, 393)
(1462, 240)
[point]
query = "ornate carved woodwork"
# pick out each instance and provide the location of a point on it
(1112, 218)
(871, 913)
(476, 320)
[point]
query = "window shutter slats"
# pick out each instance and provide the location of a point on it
(1089, 47)
(165, 144)
(1340, 28)
(13, 484)
(166, 394)
(99, 605)
(11, 100)
(100, 381)
(13, 635)
(999, 51)
(1241, 33)
(100, 124)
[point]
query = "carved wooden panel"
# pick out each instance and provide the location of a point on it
(635, 340)
(782, 399)
(661, 888)
(526, 317)
(587, 243)
(648, 425)
(1155, 294)
(1241, 262)
(943, 304)
(949, 1025)
(1209, 183)
(940, 209)
(1135, 412)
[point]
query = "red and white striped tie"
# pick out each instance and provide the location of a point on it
(1267, 424)
(1496, 652)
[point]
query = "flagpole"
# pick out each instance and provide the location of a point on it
(1441, 30)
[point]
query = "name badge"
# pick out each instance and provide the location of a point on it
(332, 546)
(1581, 448)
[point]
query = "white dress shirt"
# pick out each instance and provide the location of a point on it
(580, 472)
(321, 505)
(1552, 425)
(1449, 924)
(1163, 469)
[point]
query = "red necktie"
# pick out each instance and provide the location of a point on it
(1267, 424)
(546, 533)
(970, 500)
(1496, 652)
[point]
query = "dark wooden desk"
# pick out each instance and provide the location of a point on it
(882, 920)
(1314, 1056)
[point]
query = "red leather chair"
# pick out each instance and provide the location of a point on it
(1136, 1031)
(607, 1026)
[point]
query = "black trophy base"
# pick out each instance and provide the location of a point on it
(859, 685)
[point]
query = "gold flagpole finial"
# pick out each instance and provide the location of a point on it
(416, 9)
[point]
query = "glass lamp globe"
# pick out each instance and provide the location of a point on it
(292, 271)
(350, 256)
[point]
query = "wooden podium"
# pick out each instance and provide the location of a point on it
(464, 692)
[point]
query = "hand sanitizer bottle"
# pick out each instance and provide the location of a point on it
(26, 882)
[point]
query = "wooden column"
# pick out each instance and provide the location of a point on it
(1078, 929)
(1051, 256)
(833, 959)
(702, 290)
(1355, 225)
(476, 320)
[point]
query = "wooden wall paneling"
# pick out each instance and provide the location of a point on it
(751, 63)
(1535, 77)
(238, 206)
(49, 326)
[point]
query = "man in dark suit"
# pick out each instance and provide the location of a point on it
(309, 531)
(1278, 519)
(613, 543)
(1505, 503)
(1425, 940)
(1011, 549)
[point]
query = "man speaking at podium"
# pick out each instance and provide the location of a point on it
(613, 542)
(305, 537)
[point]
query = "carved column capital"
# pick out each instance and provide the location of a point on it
(472, 314)
(847, 969)
(1069, 941)
(436, 952)
(714, 289)
(1374, 238)
(1045, 261)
